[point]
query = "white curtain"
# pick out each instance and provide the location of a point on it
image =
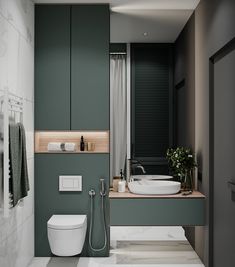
(118, 106)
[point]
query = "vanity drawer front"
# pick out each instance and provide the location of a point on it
(157, 212)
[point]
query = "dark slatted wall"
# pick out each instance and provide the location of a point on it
(151, 84)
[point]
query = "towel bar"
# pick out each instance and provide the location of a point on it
(10, 103)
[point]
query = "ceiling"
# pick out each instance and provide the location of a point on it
(143, 20)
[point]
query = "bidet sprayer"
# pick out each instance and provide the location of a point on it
(102, 187)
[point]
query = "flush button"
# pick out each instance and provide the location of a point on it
(70, 183)
(67, 183)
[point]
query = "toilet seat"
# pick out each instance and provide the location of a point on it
(66, 222)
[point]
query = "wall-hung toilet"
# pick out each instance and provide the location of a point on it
(66, 234)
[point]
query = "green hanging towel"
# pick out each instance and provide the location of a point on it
(19, 181)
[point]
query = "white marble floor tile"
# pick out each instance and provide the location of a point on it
(55, 262)
(147, 233)
(155, 252)
(151, 246)
(40, 262)
(100, 262)
(134, 254)
(137, 247)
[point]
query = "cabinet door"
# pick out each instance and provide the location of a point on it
(90, 67)
(52, 67)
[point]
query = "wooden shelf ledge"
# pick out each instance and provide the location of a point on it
(128, 194)
(100, 139)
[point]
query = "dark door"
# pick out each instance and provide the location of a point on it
(224, 161)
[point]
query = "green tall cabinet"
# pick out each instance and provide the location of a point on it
(71, 93)
(72, 67)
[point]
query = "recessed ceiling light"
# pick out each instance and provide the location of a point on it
(145, 34)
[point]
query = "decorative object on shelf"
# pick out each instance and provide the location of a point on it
(182, 163)
(90, 146)
(116, 180)
(82, 144)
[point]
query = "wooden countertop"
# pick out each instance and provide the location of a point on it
(127, 194)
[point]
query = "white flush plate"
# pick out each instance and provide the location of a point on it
(70, 183)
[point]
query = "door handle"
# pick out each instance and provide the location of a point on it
(231, 185)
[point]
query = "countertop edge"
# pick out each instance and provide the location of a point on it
(128, 195)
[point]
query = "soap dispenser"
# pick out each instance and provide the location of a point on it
(121, 184)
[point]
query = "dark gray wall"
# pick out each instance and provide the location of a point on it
(214, 27)
(184, 85)
(184, 92)
(222, 153)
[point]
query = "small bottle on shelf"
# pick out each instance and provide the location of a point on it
(82, 144)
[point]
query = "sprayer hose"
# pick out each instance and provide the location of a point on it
(91, 225)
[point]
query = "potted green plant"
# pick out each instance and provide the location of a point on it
(182, 162)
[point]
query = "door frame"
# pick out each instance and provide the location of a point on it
(220, 54)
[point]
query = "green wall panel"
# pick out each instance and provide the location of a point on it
(90, 67)
(52, 67)
(49, 201)
(157, 211)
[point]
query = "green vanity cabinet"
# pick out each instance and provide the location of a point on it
(90, 67)
(52, 67)
(72, 67)
(157, 211)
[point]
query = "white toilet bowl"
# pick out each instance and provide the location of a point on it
(66, 234)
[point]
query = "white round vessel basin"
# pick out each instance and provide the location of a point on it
(153, 187)
(151, 177)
